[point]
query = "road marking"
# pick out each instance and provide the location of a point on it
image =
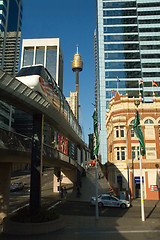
(119, 231)
(54, 205)
(19, 208)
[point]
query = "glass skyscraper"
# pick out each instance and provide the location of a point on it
(10, 35)
(128, 51)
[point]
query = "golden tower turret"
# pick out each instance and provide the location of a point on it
(77, 66)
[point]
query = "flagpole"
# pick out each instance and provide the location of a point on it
(97, 210)
(138, 133)
(141, 187)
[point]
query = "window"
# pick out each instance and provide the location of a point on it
(120, 153)
(119, 131)
(148, 121)
(135, 153)
(132, 130)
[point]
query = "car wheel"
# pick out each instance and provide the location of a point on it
(123, 205)
(100, 204)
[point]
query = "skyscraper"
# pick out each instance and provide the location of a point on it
(128, 51)
(10, 34)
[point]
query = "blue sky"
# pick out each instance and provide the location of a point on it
(72, 21)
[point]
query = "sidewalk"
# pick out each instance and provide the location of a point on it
(87, 227)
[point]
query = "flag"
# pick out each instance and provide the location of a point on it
(112, 91)
(138, 132)
(118, 79)
(140, 82)
(95, 119)
(154, 83)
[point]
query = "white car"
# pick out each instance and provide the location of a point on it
(108, 200)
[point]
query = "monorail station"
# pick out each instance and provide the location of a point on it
(42, 109)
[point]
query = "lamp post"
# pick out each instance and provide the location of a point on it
(128, 183)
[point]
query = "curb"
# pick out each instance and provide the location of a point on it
(16, 228)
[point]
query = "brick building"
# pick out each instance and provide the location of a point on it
(123, 167)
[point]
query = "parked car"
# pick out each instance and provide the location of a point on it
(108, 200)
(16, 186)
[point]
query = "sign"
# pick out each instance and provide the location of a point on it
(137, 179)
(153, 187)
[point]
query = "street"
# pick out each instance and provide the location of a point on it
(79, 214)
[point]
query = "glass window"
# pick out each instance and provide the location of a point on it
(150, 55)
(148, 121)
(119, 13)
(121, 47)
(120, 65)
(117, 21)
(120, 153)
(123, 74)
(28, 56)
(123, 153)
(124, 55)
(119, 131)
(120, 38)
(40, 55)
(145, 13)
(122, 131)
(119, 4)
(120, 29)
(51, 60)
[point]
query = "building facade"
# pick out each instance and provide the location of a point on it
(123, 166)
(128, 51)
(72, 100)
(10, 35)
(46, 52)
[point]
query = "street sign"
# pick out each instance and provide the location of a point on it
(137, 179)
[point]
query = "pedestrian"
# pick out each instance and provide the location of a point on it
(78, 191)
(61, 192)
(65, 192)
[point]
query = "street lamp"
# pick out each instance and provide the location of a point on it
(128, 183)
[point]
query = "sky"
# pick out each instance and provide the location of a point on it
(73, 21)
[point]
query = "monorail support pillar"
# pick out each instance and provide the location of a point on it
(36, 163)
(57, 179)
(5, 179)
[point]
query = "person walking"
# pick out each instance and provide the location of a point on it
(65, 192)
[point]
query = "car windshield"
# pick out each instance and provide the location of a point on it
(33, 70)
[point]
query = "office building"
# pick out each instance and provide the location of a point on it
(72, 101)
(123, 166)
(128, 53)
(46, 52)
(10, 34)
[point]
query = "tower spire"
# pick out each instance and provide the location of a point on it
(77, 48)
(77, 66)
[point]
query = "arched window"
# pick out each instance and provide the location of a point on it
(148, 121)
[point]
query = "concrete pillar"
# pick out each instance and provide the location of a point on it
(5, 179)
(36, 163)
(57, 180)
